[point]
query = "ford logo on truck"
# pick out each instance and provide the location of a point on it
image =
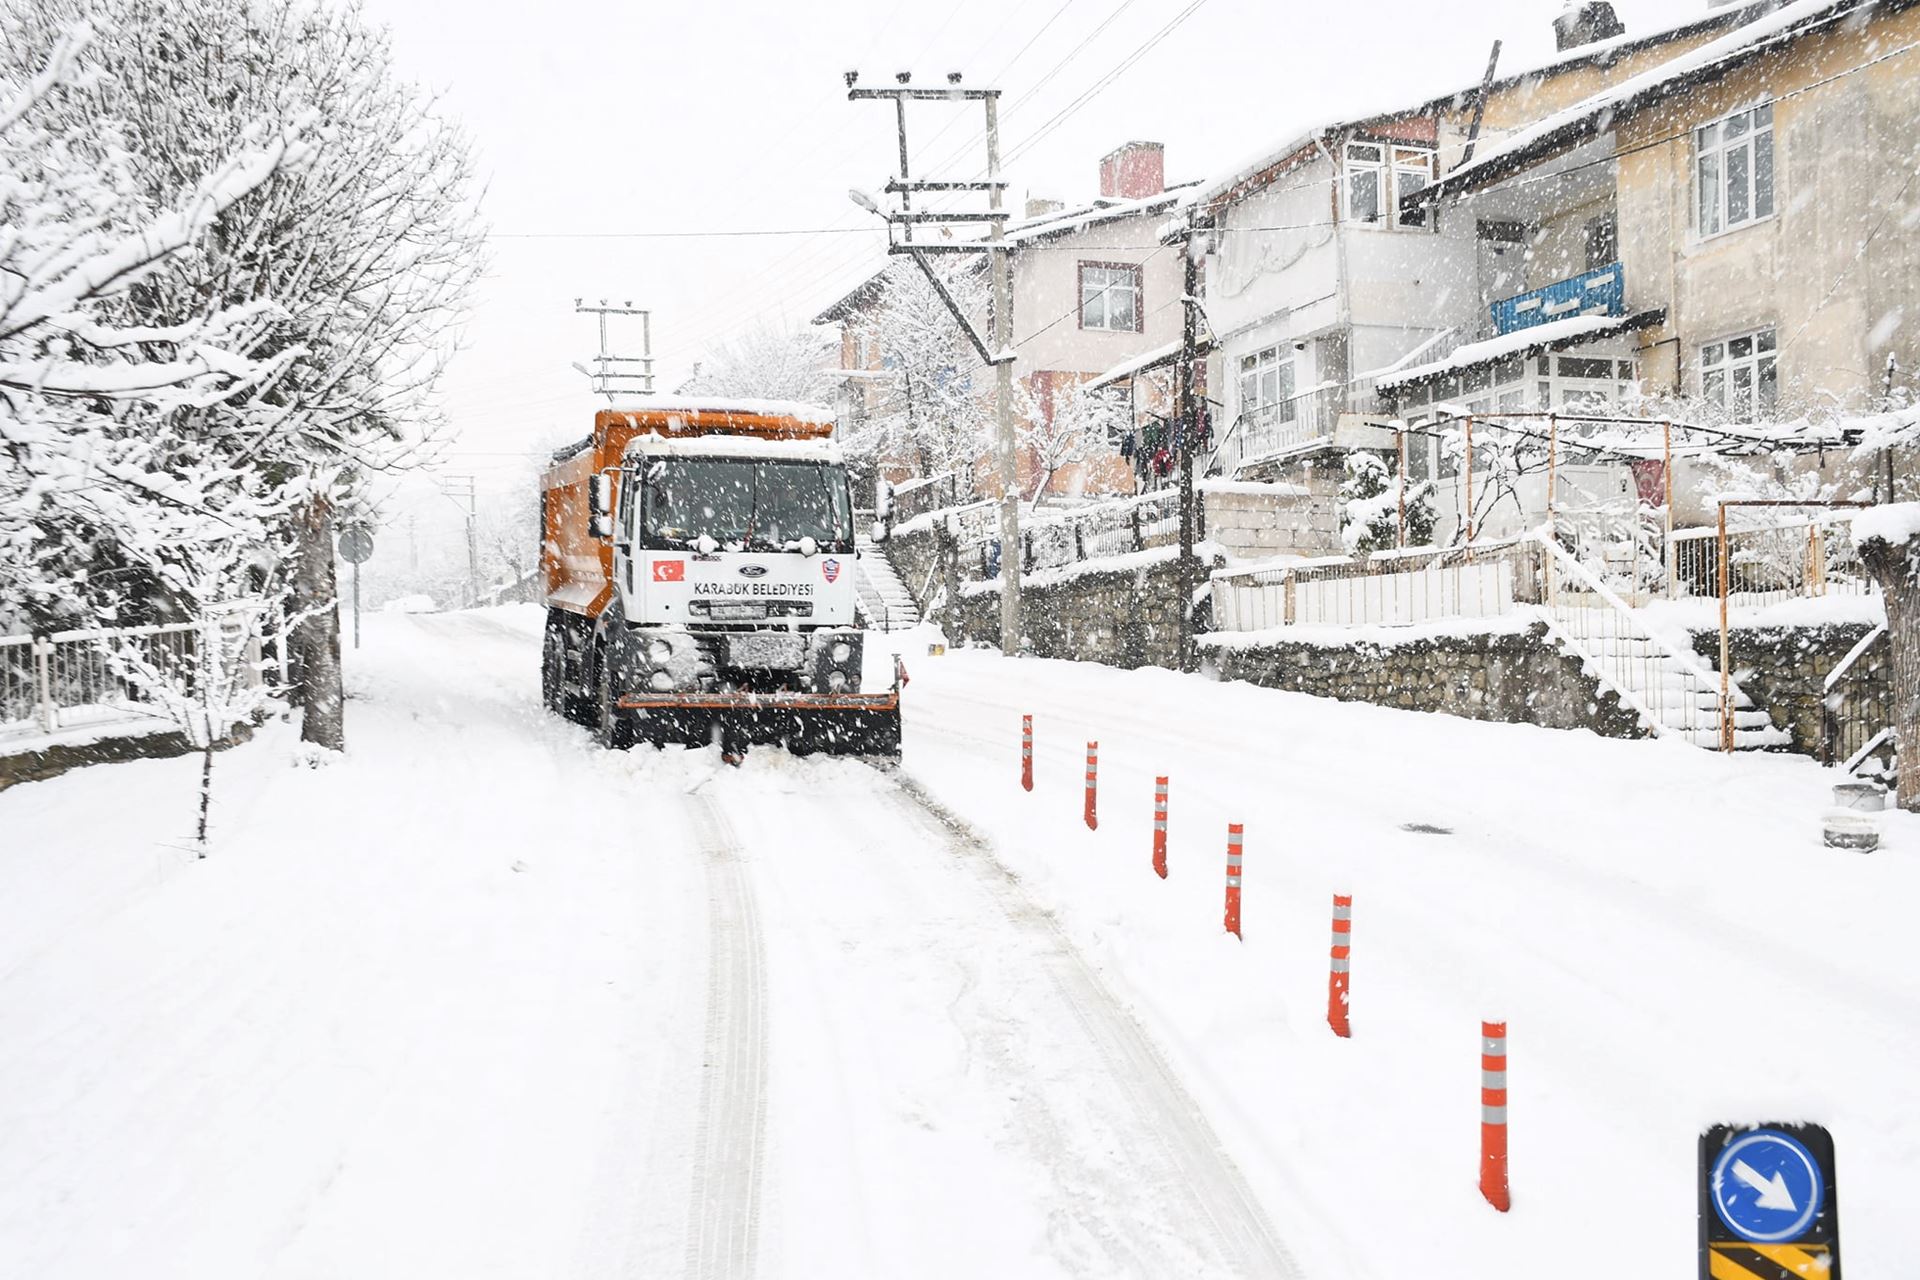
(753, 571)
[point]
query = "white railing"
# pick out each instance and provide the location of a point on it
(1671, 689)
(97, 681)
(1388, 588)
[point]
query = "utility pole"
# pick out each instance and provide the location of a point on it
(1000, 353)
(463, 488)
(606, 377)
(1185, 428)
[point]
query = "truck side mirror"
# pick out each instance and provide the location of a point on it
(600, 505)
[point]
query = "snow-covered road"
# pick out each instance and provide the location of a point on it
(482, 1000)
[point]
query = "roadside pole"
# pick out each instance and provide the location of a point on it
(1010, 558)
(1186, 423)
(995, 349)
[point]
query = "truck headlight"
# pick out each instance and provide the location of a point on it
(659, 652)
(836, 681)
(660, 681)
(841, 651)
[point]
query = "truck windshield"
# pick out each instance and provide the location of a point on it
(766, 506)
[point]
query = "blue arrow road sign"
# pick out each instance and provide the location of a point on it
(1767, 1187)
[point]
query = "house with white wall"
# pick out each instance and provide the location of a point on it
(1327, 278)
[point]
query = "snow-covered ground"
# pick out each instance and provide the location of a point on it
(481, 1000)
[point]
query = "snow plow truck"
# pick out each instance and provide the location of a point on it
(699, 564)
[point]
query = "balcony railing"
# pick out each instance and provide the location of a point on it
(1272, 428)
(1600, 292)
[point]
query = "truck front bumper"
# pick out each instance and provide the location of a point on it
(828, 723)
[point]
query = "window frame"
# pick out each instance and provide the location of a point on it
(1711, 142)
(1412, 159)
(1391, 158)
(1761, 363)
(1255, 366)
(1138, 275)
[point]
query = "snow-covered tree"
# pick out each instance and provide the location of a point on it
(768, 364)
(102, 499)
(366, 251)
(932, 413)
(1081, 420)
(1370, 507)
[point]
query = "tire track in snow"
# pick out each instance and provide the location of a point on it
(723, 1224)
(1197, 1181)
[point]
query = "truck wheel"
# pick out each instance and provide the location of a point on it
(611, 729)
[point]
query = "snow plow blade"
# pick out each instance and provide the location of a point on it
(847, 724)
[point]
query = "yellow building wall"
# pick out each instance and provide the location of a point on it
(1836, 270)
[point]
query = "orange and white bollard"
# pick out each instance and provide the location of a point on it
(1341, 958)
(1026, 752)
(1233, 878)
(1160, 827)
(1093, 770)
(1493, 1115)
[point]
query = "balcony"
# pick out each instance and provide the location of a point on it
(1600, 292)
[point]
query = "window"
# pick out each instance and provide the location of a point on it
(743, 503)
(1733, 171)
(1603, 242)
(1266, 379)
(1369, 194)
(1110, 296)
(1412, 171)
(1365, 176)
(1738, 375)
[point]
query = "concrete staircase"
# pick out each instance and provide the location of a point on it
(1674, 690)
(1685, 700)
(883, 600)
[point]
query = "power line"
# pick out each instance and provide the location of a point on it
(679, 235)
(1061, 117)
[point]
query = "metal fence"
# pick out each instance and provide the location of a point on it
(1856, 723)
(73, 681)
(1793, 560)
(1388, 588)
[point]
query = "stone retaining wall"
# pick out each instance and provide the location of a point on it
(1123, 612)
(1784, 669)
(1517, 676)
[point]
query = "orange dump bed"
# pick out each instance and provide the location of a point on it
(579, 566)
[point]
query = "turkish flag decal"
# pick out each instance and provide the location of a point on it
(669, 570)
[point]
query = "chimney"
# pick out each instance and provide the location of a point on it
(1585, 21)
(1038, 208)
(1134, 171)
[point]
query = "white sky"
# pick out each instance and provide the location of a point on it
(594, 117)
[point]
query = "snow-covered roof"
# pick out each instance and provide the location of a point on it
(1099, 212)
(1571, 329)
(1147, 360)
(1370, 105)
(1595, 114)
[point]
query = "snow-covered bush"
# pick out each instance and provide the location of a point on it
(1370, 507)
